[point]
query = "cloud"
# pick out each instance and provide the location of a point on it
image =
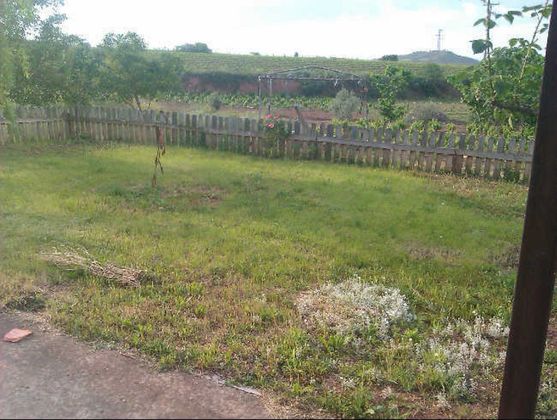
(365, 29)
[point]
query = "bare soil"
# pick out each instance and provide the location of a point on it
(88, 383)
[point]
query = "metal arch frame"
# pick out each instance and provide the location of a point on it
(289, 74)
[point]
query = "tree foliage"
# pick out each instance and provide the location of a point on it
(389, 85)
(129, 75)
(58, 68)
(17, 19)
(198, 47)
(503, 90)
(42, 65)
(345, 104)
(390, 57)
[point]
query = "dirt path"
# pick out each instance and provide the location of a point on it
(51, 375)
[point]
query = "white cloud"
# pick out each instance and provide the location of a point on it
(240, 26)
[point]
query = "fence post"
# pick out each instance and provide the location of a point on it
(538, 257)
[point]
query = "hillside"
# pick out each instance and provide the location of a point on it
(437, 57)
(198, 63)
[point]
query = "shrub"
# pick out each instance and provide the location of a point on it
(199, 47)
(461, 351)
(425, 111)
(345, 104)
(214, 100)
(352, 307)
(389, 85)
(390, 57)
(276, 132)
(434, 125)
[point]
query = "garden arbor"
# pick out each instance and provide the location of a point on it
(308, 73)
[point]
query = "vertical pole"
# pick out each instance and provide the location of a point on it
(270, 95)
(536, 271)
(260, 99)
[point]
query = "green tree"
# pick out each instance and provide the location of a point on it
(198, 47)
(389, 85)
(390, 57)
(83, 75)
(130, 74)
(18, 18)
(57, 68)
(503, 90)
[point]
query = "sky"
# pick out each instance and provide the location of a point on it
(332, 28)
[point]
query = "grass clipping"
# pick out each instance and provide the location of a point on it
(71, 260)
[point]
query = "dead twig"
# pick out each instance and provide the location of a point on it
(129, 277)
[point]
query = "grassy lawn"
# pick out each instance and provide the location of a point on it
(236, 241)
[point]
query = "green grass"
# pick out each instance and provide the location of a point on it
(254, 65)
(234, 240)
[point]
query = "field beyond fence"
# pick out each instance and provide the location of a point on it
(440, 152)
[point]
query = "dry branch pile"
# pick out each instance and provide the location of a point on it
(71, 260)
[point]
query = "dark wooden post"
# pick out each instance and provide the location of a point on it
(536, 271)
(259, 100)
(270, 95)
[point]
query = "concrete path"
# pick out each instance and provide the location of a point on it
(53, 376)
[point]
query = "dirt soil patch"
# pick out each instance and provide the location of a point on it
(88, 383)
(422, 252)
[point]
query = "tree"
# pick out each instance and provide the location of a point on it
(503, 90)
(130, 74)
(17, 19)
(389, 85)
(390, 57)
(83, 75)
(198, 47)
(57, 68)
(432, 81)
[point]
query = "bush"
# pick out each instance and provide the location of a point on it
(214, 100)
(345, 104)
(390, 57)
(199, 47)
(389, 85)
(424, 111)
(353, 308)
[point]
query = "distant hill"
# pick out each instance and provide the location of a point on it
(236, 73)
(438, 57)
(252, 65)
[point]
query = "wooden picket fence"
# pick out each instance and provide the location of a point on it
(439, 152)
(35, 124)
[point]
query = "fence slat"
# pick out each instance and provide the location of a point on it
(430, 152)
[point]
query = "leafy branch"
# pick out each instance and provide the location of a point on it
(504, 87)
(541, 13)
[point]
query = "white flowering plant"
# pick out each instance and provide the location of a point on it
(355, 309)
(460, 351)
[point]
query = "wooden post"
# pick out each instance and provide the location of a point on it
(538, 257)
(468, 165)
(260, 100)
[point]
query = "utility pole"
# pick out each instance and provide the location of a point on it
(439, 36)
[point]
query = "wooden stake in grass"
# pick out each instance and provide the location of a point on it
(71, 260)
(161, 150)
